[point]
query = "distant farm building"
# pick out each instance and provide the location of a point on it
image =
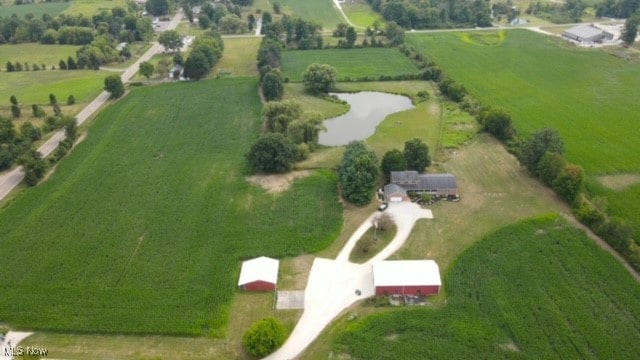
(259, 274)
(406, 277)
(587, 34)
(441, 185)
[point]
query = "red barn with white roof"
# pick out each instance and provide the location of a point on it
(406, 277)
(259, 274)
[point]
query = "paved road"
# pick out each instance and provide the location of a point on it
(11, 179)
(332, 284)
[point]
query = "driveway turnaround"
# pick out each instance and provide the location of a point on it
(334, 285)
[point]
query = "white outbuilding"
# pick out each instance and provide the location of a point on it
(259, 274)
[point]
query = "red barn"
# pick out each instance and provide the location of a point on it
(259, 274)
(406, 277)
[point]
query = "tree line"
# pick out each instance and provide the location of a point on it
(18, 146)
(427, 14)
(118, 23)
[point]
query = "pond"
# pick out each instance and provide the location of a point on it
(368, 109)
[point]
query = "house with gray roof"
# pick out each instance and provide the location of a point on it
(587, 34)
(402, 182)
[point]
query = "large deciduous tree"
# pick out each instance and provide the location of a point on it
(320, 78)
(146, 69)
(549, 167)
(358, 173)
(545, 140)
(416, 155)
(114, 85)
(171, 40)
(569, 183)
(630, 31)
(264, 337)
(393, 160)
(306, 129)
(272, 85)
(277, 115)
(272, 153)
(498, 123)
(157, 7)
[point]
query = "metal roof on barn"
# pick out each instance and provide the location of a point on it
(259, 269)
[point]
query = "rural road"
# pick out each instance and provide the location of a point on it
(332, 284)
(11, 179)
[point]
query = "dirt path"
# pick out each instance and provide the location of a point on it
(603, 244)
(334, 285)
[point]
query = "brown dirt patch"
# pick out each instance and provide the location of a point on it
(277, 182)
(294, 272)
(619, 182)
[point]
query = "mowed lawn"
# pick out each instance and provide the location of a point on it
(39, 9)
(589, 96)
(352, 63)
(35, 53)
(90, 7)
(143, 227)
(360, 13)
(539, 289)
(320, 11)
(34, 87)
(239, 58)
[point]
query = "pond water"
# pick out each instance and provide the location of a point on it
(368, 109)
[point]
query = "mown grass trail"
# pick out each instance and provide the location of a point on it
(142, 228)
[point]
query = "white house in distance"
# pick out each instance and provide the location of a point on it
(259, 274)
(406, 277)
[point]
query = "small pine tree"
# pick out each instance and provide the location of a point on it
(62, 64)
(71, 100)
(13, 100)
(52, 99)
(10, 67)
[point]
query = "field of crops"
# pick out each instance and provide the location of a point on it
(142, 228)
(320, 11)
(352, 63)
(39, 9)
(587, 95)
(537, 289)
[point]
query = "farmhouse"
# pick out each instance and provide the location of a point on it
(259, 274)
(587, 34)
(441, 185)
(406, 277)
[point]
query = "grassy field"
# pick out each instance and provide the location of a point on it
(353, 63)
(371, 243)
(33, 53)
(537, 289)
(34, 87)
(320, 11)
(239, 58)
(39, 9)
(146, 220)
(543, 82)
(360, 13)
(90, 7)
